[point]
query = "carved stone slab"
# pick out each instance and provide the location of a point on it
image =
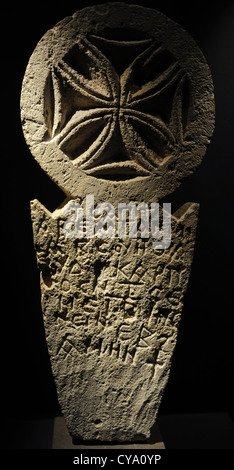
(117, 92)
(117, 102)
(111, 311)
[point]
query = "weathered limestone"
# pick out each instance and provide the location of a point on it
(117, 102)
(111, 311)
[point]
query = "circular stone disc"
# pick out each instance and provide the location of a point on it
(117, 101)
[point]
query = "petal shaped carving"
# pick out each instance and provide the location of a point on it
(54, 112)
(148, 75)
(92, 106)
(90, 70)
(108, 93)
(180, 109)
(152, 136)
(114, 171)
(84, 136)
(120, 50)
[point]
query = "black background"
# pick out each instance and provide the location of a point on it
(201, 378)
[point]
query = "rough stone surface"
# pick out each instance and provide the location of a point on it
(111, 312)
(117, 102)
(117, 92)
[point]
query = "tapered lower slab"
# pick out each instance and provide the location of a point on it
(112, 309)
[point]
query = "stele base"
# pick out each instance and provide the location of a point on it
(63, 440)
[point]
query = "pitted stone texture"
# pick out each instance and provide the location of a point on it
(117, 93)
(117, 102)
(111, 312)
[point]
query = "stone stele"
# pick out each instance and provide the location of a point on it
(117, 102)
